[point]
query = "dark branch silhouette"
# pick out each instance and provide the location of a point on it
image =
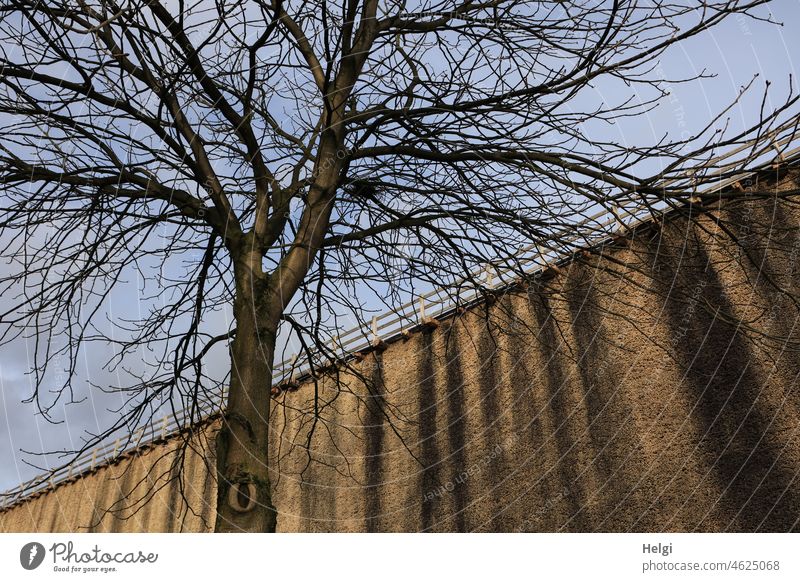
(300, 165)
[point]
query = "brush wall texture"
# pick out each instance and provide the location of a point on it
(652, 389)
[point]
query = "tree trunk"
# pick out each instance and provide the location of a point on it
(244, 499)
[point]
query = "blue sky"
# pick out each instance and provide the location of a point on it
(735, 51)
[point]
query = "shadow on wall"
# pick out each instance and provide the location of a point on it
(651, 385)
(748, 420)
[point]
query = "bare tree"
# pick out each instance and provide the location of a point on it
(296, 162)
